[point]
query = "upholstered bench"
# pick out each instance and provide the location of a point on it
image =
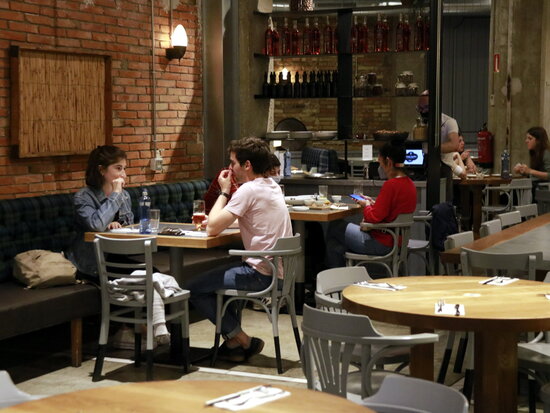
(47, 222)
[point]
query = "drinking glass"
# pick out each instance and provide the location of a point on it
(358, 189)
(199, 213)
(154, 220)
(323, 191)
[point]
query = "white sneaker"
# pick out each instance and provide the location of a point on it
(124, 339)
(161, 334)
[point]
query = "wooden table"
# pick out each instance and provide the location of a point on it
(496, 314)
(179, 397)
(472, 188)
(177, 243)
(529, 236)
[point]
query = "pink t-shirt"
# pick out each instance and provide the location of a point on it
(263, 217)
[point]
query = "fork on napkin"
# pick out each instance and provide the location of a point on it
(380, 286)
(498, 280)
(248, 398)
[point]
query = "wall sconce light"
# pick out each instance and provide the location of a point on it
(179, 44)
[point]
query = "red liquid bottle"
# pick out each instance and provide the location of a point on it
(295, 48)
(419, 33)
(268, 45)
(285, 39)
(275, 40)
(354, 36)
(315, 41)
(406, 34)
(365, 35)
(360, 37)
(328, 38)
(385, 34)
(379, 34)
(399, 34)
(427, 33)
(306, 38)
(336, 39)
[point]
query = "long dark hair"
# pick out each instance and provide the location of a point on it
(394, 152)
(101, 157)
(536, 155)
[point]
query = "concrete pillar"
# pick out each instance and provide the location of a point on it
(515, 92)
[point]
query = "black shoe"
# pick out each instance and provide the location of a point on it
(256, 347)
(236, 355)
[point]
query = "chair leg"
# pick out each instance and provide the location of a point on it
(292, 312)
(278, 355)
(219, 305)
(215, 352)
(468, 384)
(99, 362)
(532, 389)
(185, 338)
(460, 353)
(149, 367)
(137, 349)
(446, 358)
(186, 358)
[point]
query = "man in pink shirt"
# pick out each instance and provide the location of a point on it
(260, 207)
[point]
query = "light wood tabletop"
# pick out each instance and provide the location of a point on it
(496, 314)
(325, 214)
(527, 236)
(180, 396)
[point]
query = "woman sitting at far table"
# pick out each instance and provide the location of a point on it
(539, 154)
(397, 196)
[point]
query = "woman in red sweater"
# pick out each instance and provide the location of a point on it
(397, 196)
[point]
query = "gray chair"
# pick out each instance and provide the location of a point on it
(394, 260)
(329, 348)
(423, 247)
(518, 192)
(490, 227)
(509, 218)
(399, 394)
(138, 312)
(285, 252)
(453, 241)
(527, 211)
(499, 264)
(330, 284)
(10, 395)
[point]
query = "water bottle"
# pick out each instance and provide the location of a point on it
(144, 213)
(505, 164)
(287, 163)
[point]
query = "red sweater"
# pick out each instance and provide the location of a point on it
(213, 191)
(397, 196)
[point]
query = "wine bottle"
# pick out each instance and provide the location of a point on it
(306, 38)
(378, 34)
(279, 91)
(295, 48)
(385, 34)
(315, 41)
(319, 84)
(334, 84)
(265, 86)
(328, 38)
(275, 40)
(285, 39)
(360, 37)
(312, 85)
(406, 34)
(268, 45)
(427, 33)
(305, 86)
(297, 87)
(354, 36)
(399, 34)
(419, 33)
(365, 41)
(272, 84)
(326, 90)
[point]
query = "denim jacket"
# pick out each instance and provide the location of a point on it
(94, 212)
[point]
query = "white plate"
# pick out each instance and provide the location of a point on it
(495, 174)
(300, 208)
(297, 200)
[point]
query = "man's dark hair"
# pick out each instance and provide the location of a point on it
(101, 157)
(254, 150)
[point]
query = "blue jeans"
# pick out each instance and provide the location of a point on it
(343, 236)
(203, 292)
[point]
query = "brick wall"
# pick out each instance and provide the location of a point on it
(121, 29)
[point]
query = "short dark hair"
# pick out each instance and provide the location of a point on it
(254, 150)
(394, 152)
(275, 162)
(102, 156)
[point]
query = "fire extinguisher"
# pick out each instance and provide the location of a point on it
(485, 147)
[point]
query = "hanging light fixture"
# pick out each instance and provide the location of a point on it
(179, 43)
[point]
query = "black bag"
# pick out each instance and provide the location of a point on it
(444, 223)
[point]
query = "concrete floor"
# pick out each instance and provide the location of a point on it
(39, 363)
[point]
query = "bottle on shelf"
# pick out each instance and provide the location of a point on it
(306, 38)
(297, 87)
(379, 34)
(364, 41)
(400, 34)
(505, 164)
(312, 85)
(406, 34)
(295, 48)
(279, 91)
(268, 38)
(419, 33)
(320, 85)
(328, 38)
(334, 84)
(265, 86)
(315, 40)
(327, 83)
(385, 34)
(353, 39)
(272, 84)
(427, 33)
(144, 213)
(360, 37)
(305, 85)
(285, 38)
(275, 40)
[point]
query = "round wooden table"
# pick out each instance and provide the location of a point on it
(496, 314)
(180, 396)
